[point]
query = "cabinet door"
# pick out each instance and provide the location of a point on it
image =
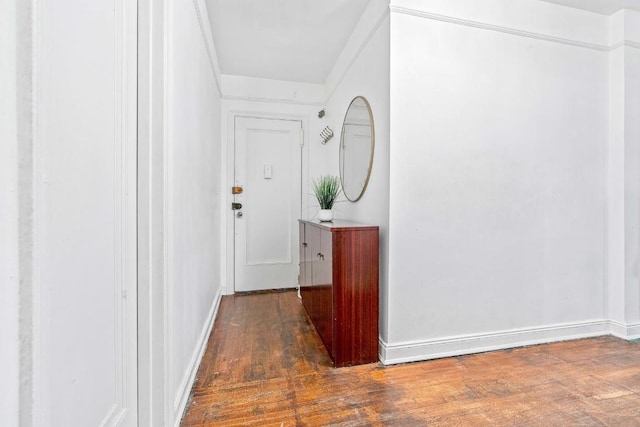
(322, 272)
(305, 259)
(309, 241)
(315, 280)
(323, 289)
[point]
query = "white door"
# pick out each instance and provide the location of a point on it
(268, 167)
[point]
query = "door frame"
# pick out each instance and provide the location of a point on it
(227, 266)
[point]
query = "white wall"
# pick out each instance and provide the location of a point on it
(84, 351)
(9, 275)
(623, 244)
(274, 92)
(193, 194)
(497, 176)
(363, 70)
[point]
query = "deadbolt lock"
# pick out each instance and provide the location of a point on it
(236, 190)
(235, 206)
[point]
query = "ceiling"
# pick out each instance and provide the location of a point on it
(292, 40)
(603, 7)
(300, 40)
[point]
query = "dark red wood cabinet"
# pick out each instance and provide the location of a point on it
(339, 287)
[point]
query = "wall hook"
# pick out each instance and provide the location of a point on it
(326, 135)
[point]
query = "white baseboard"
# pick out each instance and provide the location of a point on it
(182, 396)
(466, 344)
(627, 332)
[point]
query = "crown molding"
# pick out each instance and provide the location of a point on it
(253, 89)
(271, 100)
(625, 43)
(498, 28)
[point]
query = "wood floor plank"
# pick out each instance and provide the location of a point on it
(265, 366)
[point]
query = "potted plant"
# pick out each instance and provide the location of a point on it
(326, 188)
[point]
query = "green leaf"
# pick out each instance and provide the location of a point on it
(327, 189)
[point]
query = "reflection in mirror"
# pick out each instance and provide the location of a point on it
(356, 148)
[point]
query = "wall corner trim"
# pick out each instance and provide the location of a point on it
(205, 28)
(183, 391)
(414, 351)
(372, 32)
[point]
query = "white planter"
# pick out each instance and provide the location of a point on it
(325, 215)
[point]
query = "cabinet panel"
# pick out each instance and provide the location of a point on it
(322, 285)
(356, 299)
(316, 291)
(322, 272)
(339, 288)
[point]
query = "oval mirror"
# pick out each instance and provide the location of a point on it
(356, 148)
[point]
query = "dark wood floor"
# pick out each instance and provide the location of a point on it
(265, 366)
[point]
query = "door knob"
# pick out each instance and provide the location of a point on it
(239, 214)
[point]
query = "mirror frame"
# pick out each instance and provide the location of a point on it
(373, 145)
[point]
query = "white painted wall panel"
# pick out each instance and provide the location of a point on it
(194, 196)
(623, 168)
(9, 278)
(497, 181)
(624, 27)
(368, 76)
(632, 26)
(616, 228)
(632, 189)
(85, 244)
